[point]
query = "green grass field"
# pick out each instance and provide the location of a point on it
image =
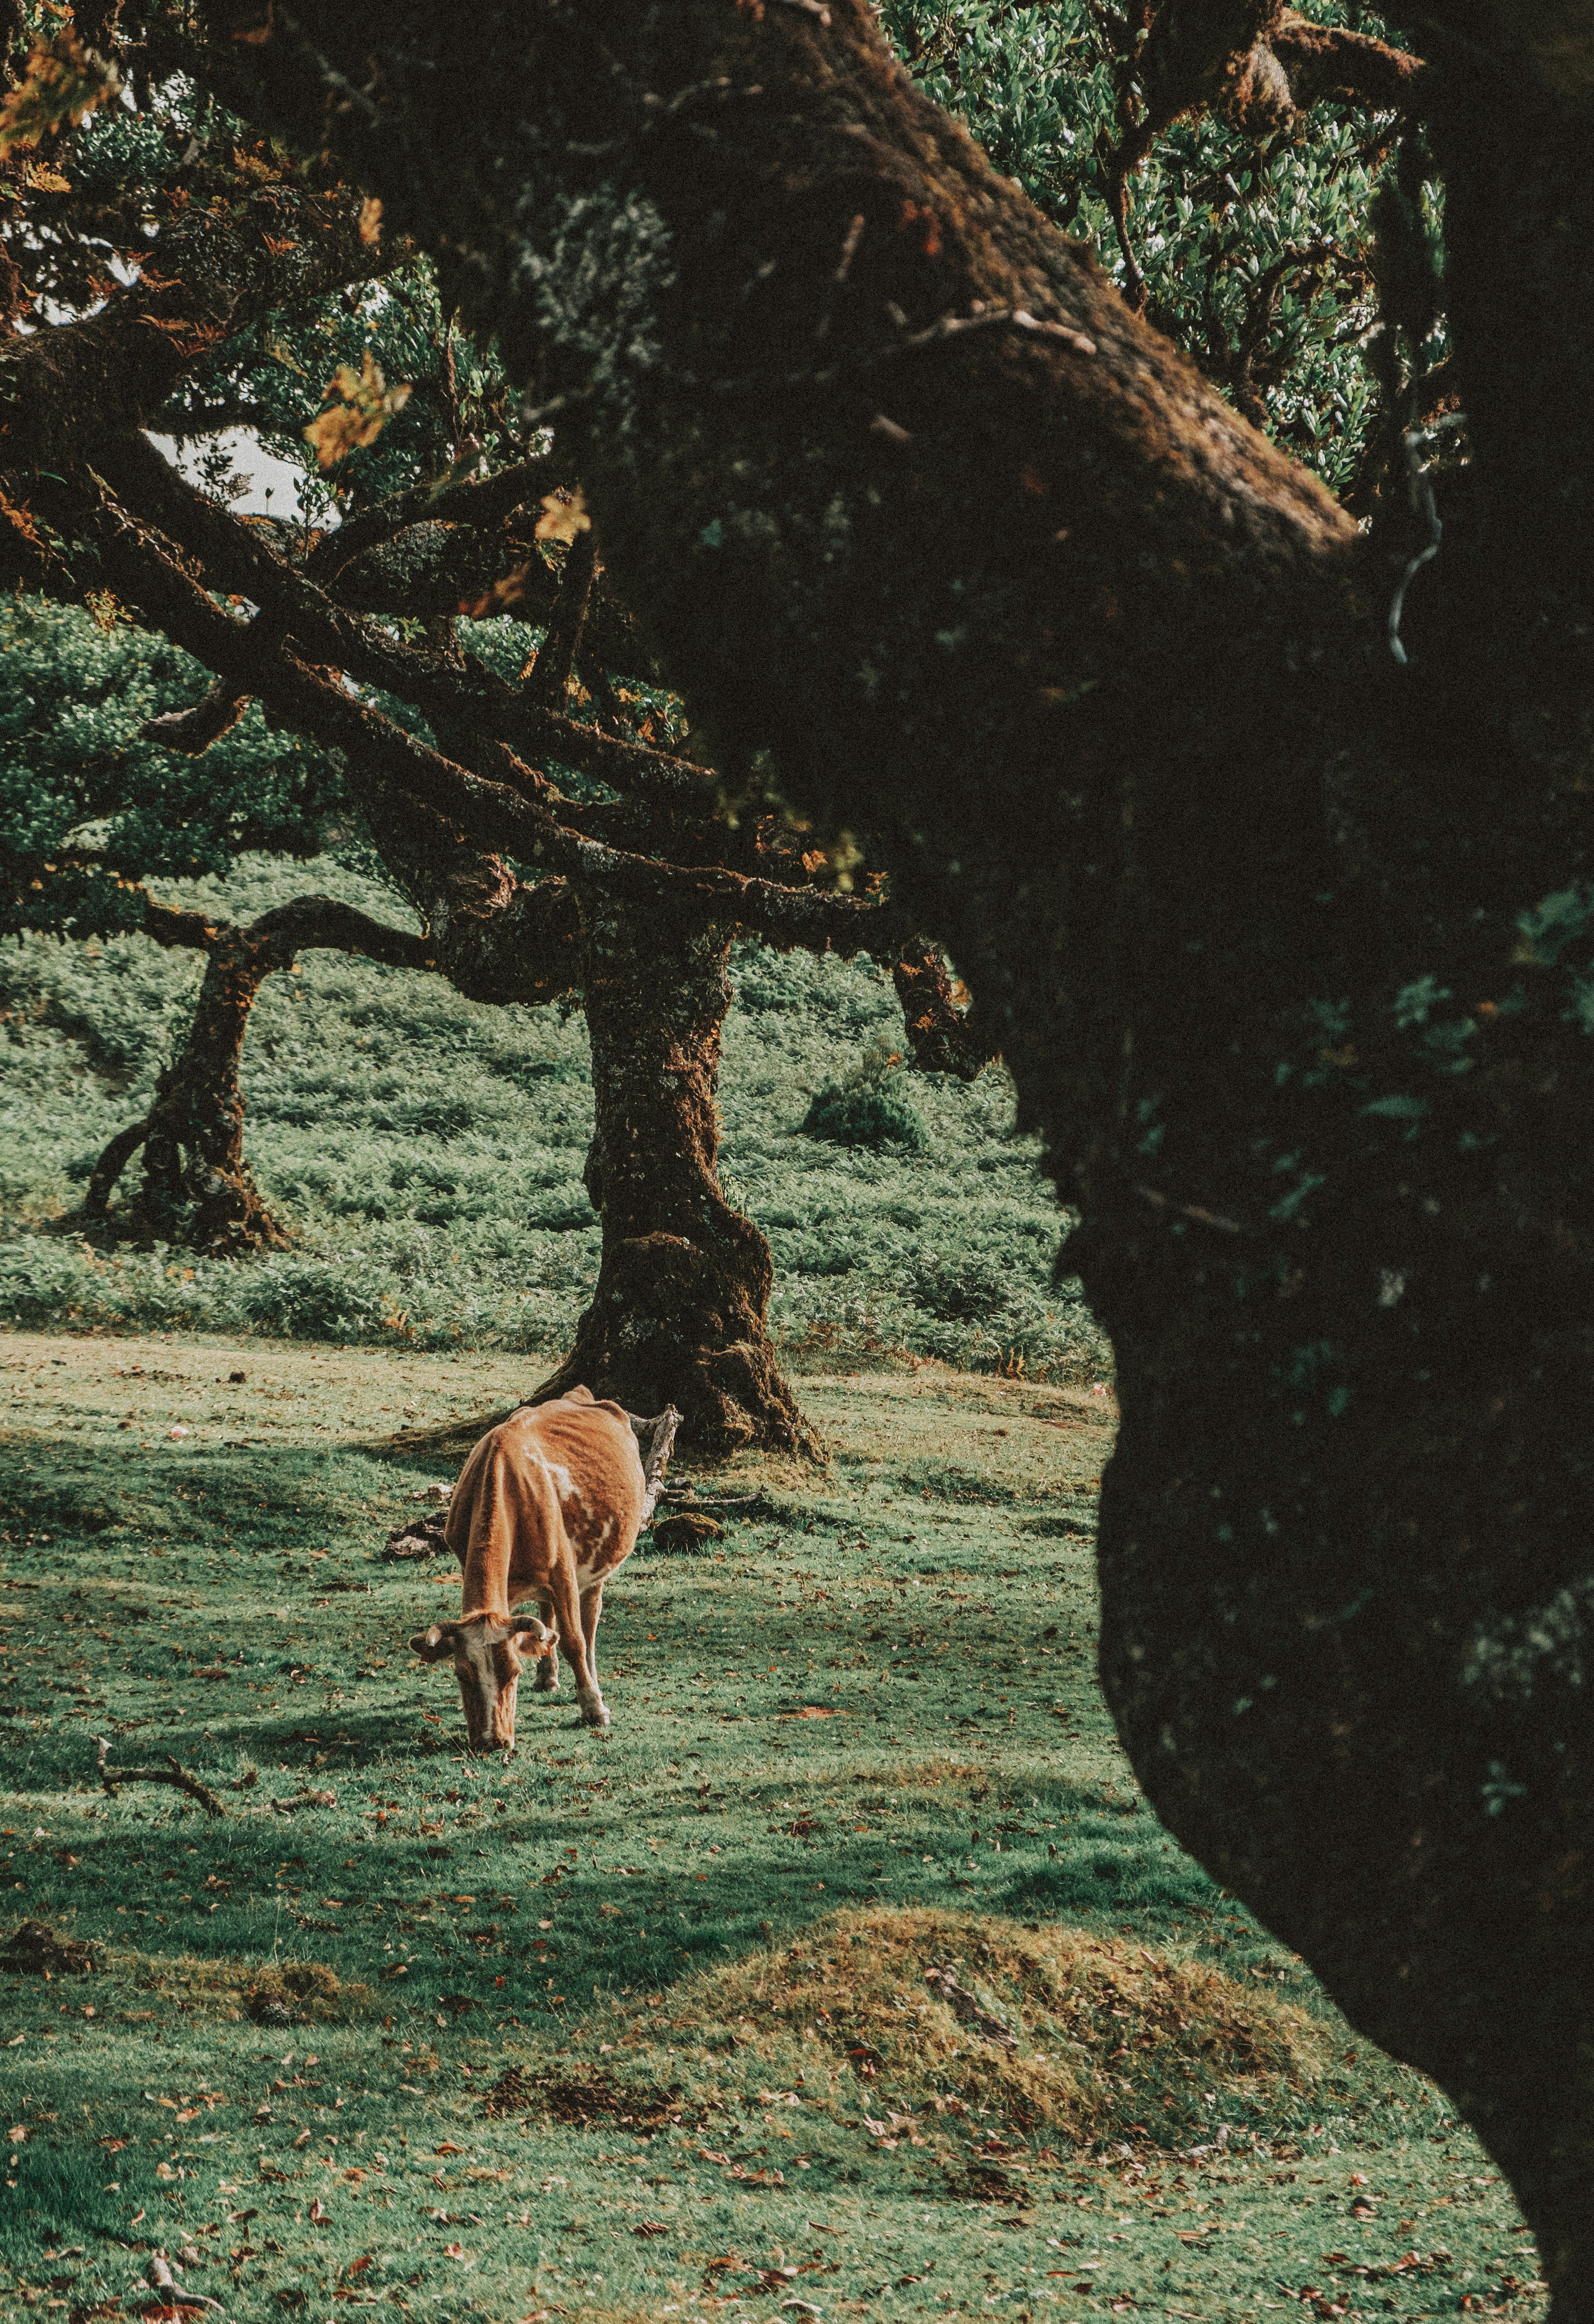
(643, 2024)
(427, 1150)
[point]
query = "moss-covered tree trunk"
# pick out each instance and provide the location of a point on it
(683, 1289)
(197, 1187)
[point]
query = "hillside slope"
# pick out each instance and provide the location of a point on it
(426, 1151)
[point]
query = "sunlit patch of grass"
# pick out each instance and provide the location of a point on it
(924, 2014)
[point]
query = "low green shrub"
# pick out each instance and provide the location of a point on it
(866, 1116)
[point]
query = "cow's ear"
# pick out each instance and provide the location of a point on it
(531, 1643)
(431, 1645)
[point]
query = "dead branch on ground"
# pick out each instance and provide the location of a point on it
(173, 1773)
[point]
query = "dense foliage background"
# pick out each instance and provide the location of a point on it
(1257, 255)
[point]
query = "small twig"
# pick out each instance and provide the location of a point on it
(1423, 494)
(912, 343)
(849, 242)
(1189, 1211)
(994, 318)
(306, 1800)
(170, 1773)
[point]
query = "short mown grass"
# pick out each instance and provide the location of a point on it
(850, 1970)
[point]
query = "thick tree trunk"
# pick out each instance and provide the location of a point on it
(677, 1315)
(197, 1188)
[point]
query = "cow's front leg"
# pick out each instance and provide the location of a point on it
(547, 1681)
(569, 1606)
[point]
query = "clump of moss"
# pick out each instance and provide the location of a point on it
(311, 1990)
(280, 1993)
(920, 2013)
(684, 1531)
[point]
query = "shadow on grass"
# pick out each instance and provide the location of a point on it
(68, 2192)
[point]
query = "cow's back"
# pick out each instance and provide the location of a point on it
(553, 1476)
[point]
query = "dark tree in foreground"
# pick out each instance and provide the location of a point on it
(1290, 939)
(623, 881)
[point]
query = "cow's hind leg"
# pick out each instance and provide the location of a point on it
(568, 1608)
(592, 1608)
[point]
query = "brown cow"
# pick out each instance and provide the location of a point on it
(548, 1504)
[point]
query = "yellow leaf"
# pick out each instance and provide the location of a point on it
(371, 219)
(60, 87)
(363, 405)
(564, 515)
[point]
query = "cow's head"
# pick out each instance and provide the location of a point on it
(488, 1657)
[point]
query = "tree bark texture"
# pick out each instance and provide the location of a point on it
(1289, 945)
(197, 1187)
(683, 1289)
(678, 1314)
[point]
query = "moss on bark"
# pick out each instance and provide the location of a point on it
(678, 1313)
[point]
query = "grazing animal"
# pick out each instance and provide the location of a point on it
(548, 1504)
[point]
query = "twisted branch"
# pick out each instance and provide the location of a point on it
(171, 1774)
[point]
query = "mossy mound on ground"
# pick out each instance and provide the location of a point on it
(920, 2013)
(685, 1530)
(870, 1116)
(280, 1993)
